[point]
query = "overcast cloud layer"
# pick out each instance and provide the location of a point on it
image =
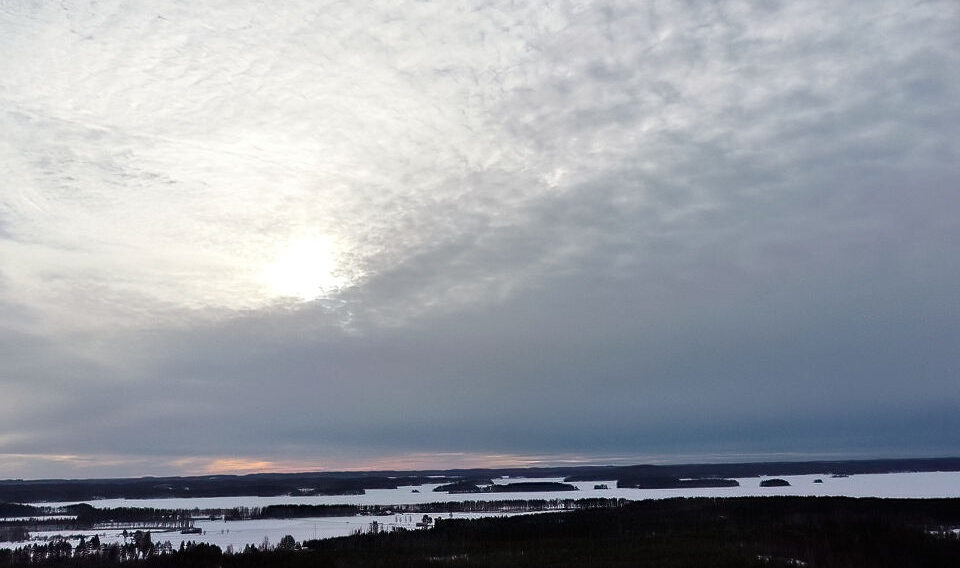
(242, 235)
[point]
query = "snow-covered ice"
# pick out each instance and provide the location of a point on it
(909, 484)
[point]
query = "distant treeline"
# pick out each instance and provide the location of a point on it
(83, 517)
(260, 485)
(20, 510)
(519, 487)
(776, 532)
(727, 470)
(87, 517)
(503, 506)
(674, 483)
(325, 483)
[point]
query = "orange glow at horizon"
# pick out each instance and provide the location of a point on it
(414, 461)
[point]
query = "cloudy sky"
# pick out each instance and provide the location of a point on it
(240, 236)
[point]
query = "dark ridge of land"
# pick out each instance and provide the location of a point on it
(674, 483)
(438, 507)
(84, 517)
(262, 485)
(757, 469)
(459, 487)
(781, 532)
(325, 483)
(519, 487)
(531, 486)
(18, 510)
(465, 486)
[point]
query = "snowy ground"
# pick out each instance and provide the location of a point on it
(240, 533)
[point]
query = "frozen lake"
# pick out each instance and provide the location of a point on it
(240, 533)
(915, 485)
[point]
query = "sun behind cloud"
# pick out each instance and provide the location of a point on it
(304, 269)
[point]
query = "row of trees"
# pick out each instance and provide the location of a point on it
(137, 546)
(501, 506)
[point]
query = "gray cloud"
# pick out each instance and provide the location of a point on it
(567, 230)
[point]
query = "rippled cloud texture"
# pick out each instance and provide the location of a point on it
(323, 235)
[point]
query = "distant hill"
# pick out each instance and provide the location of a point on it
(758, 469)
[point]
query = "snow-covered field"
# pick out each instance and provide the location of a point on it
(240, 533)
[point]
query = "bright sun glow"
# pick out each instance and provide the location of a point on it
(304, 270)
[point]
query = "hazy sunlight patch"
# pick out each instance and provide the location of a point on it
(304, 269)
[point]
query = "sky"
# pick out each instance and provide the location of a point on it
(244, 236)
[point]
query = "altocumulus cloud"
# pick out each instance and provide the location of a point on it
(332, 235)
